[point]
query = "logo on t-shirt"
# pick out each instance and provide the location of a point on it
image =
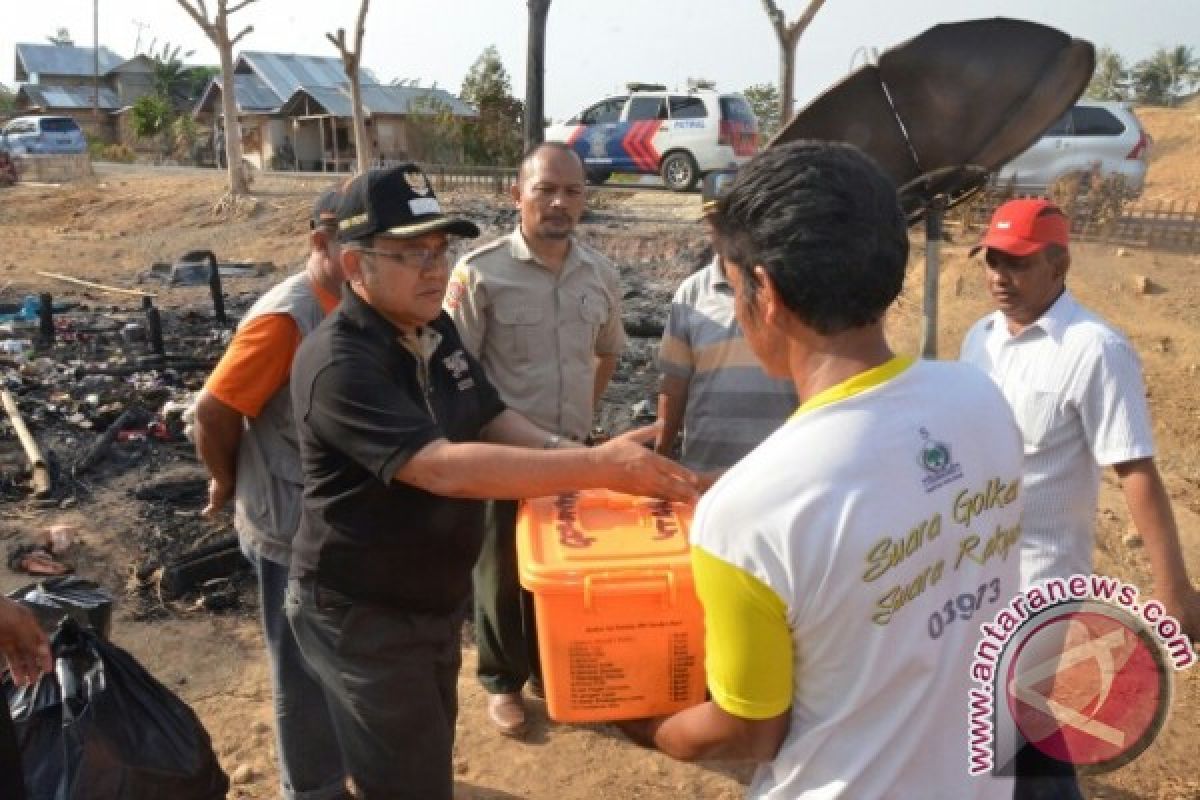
(939, 466)
(457, 364)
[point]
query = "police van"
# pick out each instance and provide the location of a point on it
(680, 135)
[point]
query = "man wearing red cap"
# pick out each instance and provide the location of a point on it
(1075, 385)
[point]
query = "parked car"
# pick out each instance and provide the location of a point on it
(1092, 138)
(42, 135)
(680, 135)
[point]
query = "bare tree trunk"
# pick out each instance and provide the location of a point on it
(351, 59)
(789, 36)
(233, 125)
(217, 31)
(535, 73)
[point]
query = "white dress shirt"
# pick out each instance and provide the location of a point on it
(1075, 386)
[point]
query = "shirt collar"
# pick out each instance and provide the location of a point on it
(422, 344)
(856, 384)
(378, 328)
(716, 277)
(521, 252)
(1053, 322)
(325, 298)
(1058, 316)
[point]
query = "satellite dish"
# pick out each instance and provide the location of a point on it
(945, 109)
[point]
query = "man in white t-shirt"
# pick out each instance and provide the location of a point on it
(1075, 385)
(845, 564)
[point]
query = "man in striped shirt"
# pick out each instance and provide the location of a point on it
(713, 387)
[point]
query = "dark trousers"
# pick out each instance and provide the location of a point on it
(310, 765)
(12, 777)
(1040, 777)
(504, 621)
(391, 679)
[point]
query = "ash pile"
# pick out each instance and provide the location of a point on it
(94, 401)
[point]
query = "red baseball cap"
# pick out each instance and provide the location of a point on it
(1023, 227)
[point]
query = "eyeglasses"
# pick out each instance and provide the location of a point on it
(424, 260)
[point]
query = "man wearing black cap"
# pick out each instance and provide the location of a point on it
(246, 438)
(390, 411)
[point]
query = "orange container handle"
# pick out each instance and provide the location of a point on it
(627, 582)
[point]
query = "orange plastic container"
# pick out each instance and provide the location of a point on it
(620, 630)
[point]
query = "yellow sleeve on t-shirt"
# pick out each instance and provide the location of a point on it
(747, 641)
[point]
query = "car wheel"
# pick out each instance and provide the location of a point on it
(598, 176)
(679, 172)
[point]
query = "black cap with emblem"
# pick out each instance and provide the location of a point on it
(396, 202)
(325, 209)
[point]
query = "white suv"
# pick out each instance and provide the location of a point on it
(680, 135)
(42, 135)
(1091, 137)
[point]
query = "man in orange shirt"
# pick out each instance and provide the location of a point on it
(246, 438)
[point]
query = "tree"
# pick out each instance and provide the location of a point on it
(1108, 81)
(1183, 68)
(171, 79)
(789, 35)
(1152, 80)
(764, 101)
(1167, 75)
(535, 72)
(8, 100)
(494, 137)
(62, 38)
(435, 133)
(351, 59)
(217, 31)
(151, 116)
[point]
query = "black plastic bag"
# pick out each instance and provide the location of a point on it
(100, 727)
(55, 599)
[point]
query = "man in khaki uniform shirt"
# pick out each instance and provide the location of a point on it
(542, 312)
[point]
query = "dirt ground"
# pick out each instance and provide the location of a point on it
(115, 227)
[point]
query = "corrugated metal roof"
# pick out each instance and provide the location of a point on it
(377, 99)
(287, 72)
(331, 100)
(249, 91)
(400, 99)
(53, 59)
(48, 97)
(253, 94)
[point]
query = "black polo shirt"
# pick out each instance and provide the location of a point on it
(362, 412)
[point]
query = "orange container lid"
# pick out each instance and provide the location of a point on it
(563, 539)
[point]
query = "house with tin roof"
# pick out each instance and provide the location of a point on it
(88, 84)
(295, 112)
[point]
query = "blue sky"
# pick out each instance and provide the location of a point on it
(593, 48)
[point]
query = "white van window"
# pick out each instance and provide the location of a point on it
(608, 111)
(683, 107)
(642, 108)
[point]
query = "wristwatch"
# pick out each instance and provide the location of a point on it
(552, 442)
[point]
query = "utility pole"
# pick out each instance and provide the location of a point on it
(96, 63)
(535, 72)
